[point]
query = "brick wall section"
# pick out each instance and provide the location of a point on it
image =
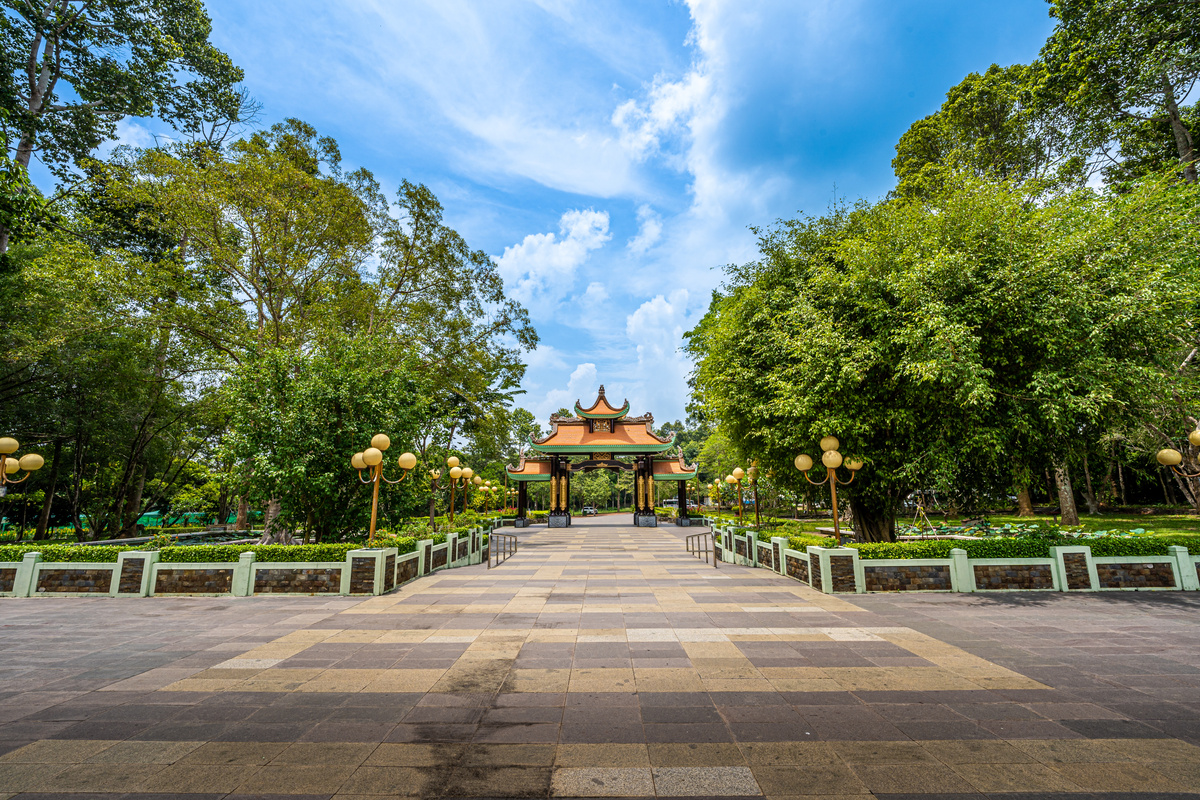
(907, 578)
(8, 577)
(131, 576)
(796, 568)
(719, 551)
(362, 575)
(1014, 576)
(194, 581)
(83, 581)
(463, 552)
(1135, 575)
(765, 557)
(439, 556)
(408, 570)
(778, 562)
(841, 571)
(1077, 571)
(389, 573)
(298, 580)
(428, 558)
(739, 546)
(814, 563)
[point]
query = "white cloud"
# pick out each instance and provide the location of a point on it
(596, 293)
(543, 266)
(581, 386)
(656, 331)
(649, 230)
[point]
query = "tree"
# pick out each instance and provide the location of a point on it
(992, 125)
(297, 417)
(948, 342)
(1119, 63)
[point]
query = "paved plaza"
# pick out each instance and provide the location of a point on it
(602, 660)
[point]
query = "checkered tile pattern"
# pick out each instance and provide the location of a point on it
(600, 661)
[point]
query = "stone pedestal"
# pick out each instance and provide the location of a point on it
(521, 522)
(558, 521)
(645, 521)
(684, 522)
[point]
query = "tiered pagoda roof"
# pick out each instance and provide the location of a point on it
(530, 469)
(674, 469)
(601, 428)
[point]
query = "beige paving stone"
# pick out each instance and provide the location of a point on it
(790, 753)
(602, 782)
(379, 782)
(602, 755)
(144, 752)
(1015, 778)
(392, 754)
(1119, 777)
(405, 680)
(182, 778)
(1169, 750)
(57, 751)
(522, 755)
(234, 753)
(871, 753)
(667, 680)
(296, 779)
(337, 753)
(490, 781)
(911, 779)
(22, 777)
(977, 751)
(808, 781)
(1069, 751)
(705, 781)
(696, 754)
(100, 778)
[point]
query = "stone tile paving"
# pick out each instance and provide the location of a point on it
(601, 661)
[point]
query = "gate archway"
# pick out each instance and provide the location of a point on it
(607, 438)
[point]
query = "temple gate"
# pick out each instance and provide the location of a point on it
(609, 439)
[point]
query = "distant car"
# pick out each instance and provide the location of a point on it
(589, 511)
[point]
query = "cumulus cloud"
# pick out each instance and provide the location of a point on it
(596, 293)
(583, 382)
(655, 330)
(543, 266)
(649, 230)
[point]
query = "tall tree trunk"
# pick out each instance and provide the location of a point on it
(1050, 499)
(1183, 137)
(273, 508)
(1089, 496)
(1166, 489)
(1066, 494)
(1121, 479)
(872, 524)
(44, 519)
(1024, 502)
(243, 514)
(133, 507)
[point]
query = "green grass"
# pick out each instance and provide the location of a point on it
(1158, 523)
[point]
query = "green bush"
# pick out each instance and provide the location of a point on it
(62, 552)
(1020, 547)
(803, 541)
(191, 554)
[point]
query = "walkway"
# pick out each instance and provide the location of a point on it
(601, 660)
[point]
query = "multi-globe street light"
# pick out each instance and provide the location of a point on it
(1170, 457)
(11, 464)
(832, 459)
(371, 460)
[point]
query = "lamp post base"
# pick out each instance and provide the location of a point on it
(645, 520)
(559, 520)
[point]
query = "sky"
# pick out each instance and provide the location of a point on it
(613, 156)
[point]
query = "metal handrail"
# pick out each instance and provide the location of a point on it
(500, 547)
(700, 545)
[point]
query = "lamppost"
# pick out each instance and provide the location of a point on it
(11, 465)
(752, 473)
(457, 472)
(832, 459)
(434, 475)
(371, 460)
(733, 478)
(1168, 457)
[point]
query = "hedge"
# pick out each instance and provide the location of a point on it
(1027, 548)
(61, 552)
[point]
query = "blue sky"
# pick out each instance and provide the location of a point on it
(611, 154)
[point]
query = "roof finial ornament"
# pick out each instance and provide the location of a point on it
(602, 390)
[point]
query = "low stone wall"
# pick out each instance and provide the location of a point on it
(138, 574)
(1069, 569)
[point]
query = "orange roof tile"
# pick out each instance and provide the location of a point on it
(573, 436)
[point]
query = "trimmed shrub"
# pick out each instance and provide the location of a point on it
(62, 552)
(190, 554)
(803, 541)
